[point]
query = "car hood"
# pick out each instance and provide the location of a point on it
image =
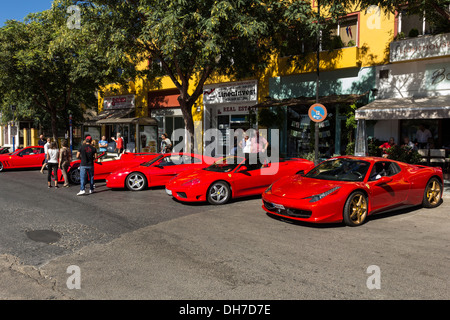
(186, 176)
(299, 187)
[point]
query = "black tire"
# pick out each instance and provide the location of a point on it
(1, 167)
(136, 181)
(74, 176)
(356, 209)
(219, 193)
(432, 194)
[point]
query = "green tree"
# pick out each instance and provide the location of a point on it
(192, 40)
(50, 68)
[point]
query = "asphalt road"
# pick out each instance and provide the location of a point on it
(144, 245)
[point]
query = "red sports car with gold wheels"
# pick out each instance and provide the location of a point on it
(350, 189)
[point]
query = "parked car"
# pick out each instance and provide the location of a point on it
(158, 171)
(29, 157)
(232, 177)
(4, 150)
(105, 164)
(350, 189)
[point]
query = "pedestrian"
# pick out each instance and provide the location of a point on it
(52, 162)
(119, 143)
(65, 157)
(166, 144)
(408, 143)
(386, 146)
(422, 136)
(246, 144)
(87, 154)
(46, 146)
(103, 145)
(42, 141)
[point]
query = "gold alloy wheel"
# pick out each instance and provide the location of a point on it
(433, 192)
(358, 209)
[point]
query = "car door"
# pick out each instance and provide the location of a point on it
(389, 192)
(24, 158)
(166, 168)
(249, 179)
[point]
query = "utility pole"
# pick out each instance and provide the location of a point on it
(316, 128)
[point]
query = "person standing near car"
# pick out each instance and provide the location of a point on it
(103, 145)
(166, 144)
(65, 157)
(87, 154)
(46, 146)
(119, 143)
(52, 162)
(42, 141)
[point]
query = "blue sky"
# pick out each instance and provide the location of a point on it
(18, 9)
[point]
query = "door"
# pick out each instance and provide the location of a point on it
(252, 180)
(389, 194)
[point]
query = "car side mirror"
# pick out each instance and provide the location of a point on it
(383, 180)
(242, 169)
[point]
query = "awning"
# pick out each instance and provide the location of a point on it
(406, 108)
(308, 101)
(136, 120)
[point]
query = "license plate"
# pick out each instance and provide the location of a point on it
(169, 192)
(278, 206)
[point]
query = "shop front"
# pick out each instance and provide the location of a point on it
(339, 92)
(118, 117)
(229, 106)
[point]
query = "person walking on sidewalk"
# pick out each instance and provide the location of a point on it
(87, 154)
(46, 146)
(65, 157)
(52, 162)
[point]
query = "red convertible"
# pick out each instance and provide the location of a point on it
(351, 188)
(29, 157)
(104, 165)
(157, 172)
(232, 177)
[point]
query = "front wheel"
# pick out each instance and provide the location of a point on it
(355, 209)
(433, 193)
(219, 193)
(1, 167)
(136, 181)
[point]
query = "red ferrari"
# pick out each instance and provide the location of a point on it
(351, 188)
(104, 165)
(157, 171)
(29, 157)
(231, 177)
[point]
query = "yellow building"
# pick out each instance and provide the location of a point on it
(349, 75)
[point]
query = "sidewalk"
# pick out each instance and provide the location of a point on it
(446, 189)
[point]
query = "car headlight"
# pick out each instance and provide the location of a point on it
(192, 182)
(317, 197)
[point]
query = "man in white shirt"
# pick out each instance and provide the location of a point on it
(46, 146)
(422, 136)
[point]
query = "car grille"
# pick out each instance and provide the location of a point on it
(295, 213)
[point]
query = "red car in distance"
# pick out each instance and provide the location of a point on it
(104, 165)
(350, 188)
(158, 171)
(29, 157)
(232, 177)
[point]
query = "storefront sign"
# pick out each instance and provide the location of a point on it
(420, 48)
(237, 109)
(235, 92)
(119, 102)
(317, 112)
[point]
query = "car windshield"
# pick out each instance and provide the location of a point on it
(340, 169)
(149, 163)
(225, 164)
